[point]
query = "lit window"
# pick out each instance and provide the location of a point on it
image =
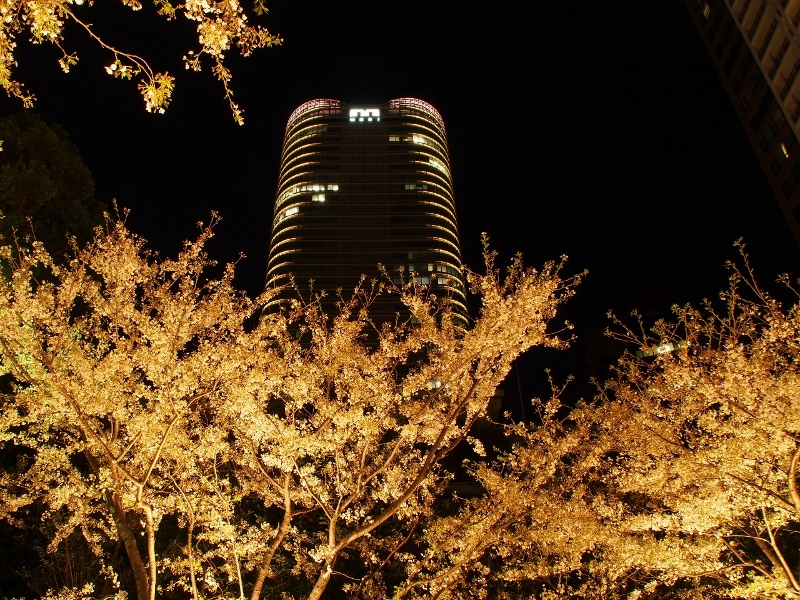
(411, 186)
(438, 165)
(784, 150)
(706, 10)
(418, 139)
(333, 187)
(665, 348)
(394, 138)
(288, 213)
(369, 114)
(318, 197)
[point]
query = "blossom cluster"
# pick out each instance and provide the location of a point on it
(219, 26)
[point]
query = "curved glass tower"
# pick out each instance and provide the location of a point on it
(361, 186)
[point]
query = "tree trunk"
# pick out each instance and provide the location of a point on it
(779, 564)
(273, 548)
(322, 581)
(129, 541)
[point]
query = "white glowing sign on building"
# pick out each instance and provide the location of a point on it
(365, 114)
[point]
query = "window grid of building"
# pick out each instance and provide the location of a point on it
(755, 47)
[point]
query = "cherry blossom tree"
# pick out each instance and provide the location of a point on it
(679, 480)
(220, 26)
(151, 409)
(712, 436)
(356, 436)
(143, 392)
(111, 360)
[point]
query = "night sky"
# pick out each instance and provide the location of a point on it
(595, 130)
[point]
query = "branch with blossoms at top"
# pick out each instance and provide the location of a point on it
(220, 25)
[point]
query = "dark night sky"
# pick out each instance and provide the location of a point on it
(596, 130)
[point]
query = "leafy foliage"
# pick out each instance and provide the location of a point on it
(139, 396)
(712, 437)
(220, 26)
(42, 178)
(680, 480)
(165, 437)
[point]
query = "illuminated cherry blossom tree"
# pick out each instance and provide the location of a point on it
(711, 437)
(221, 25)
(112, 360)
(680, 480)
(144, 392)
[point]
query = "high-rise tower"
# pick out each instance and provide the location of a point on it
(755, 47)
(361, 186)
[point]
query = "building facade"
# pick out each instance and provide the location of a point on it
(755, 48)
(363, 186)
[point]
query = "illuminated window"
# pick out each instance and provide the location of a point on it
(365, 114)
(706, 12)
(416, 186)
(392, 138)
(438, 165)
(306, 187)
(288, 213)
(786, 148)
(318, 197)
(789, 143)
(665, 348)
(446, 269)
(433, 384)
(419, 139)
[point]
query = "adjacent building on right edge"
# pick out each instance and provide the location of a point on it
(755, 47)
